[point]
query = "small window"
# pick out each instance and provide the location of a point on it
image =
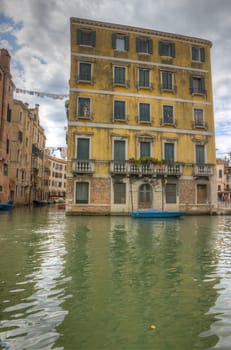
(9, 111)
(220, 173)
(119, 75)
(120, 42)
(5, 169)
(166, 49)
(144, 45)
(198, 117)
(170, 191)
(82, 192)
(85, 71)
(144, 112)
(168, 117)
(166, 80)
(84, 107)
(86, 37)
(197, 85)
(119, 110)
(20, 136)
(198, 54)
(144, 78)
(119, 193)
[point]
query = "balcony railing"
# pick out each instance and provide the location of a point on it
(203, 170)
(128, 168)
(83, 166)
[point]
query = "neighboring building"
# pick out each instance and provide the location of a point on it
(6, 103)
(223, 181)
(140, 121)
(57, 178)
(27, 170)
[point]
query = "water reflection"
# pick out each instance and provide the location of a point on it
(100, 282)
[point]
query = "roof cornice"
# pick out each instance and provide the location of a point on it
(139, 30)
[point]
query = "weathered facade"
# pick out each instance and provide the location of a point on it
(57, 178)
(27, 171)
(140, 121)
(6, 104)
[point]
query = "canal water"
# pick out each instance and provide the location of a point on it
(114, 283)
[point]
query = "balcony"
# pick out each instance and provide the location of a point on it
(129, 168)
(83, 166)
(203, 170)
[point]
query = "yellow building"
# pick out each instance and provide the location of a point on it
(140, 121)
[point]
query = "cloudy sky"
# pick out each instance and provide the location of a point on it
(36, 34)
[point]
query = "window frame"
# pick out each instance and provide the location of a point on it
(174, 151)
(198, 54)
(123, 82)
(141, 112)
(200, 82)
(82, 78)
(144, 45)
(166, 49)
(118, 139)
(165, 120)
(78, 137)
(169, 84)
(81, 40)
(118, 36)
(148, 154)
(199, 157)
(117, 193)
(79, 116)
(118, 118)
(144, 83)
(170, 195)
(82, 201)
(196, 118)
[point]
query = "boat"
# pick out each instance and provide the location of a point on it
(61, 205)
(7, 206)
(40, 203)
(152, 213)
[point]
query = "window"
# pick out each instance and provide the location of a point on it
(9, 113)
(83, 148)
(144, 112)
(119, 150)
(200, 154)
(84, 107)
(198, 54)
(144, 45)
(169, 151)
(198, 117)
(220, 173)
(166, 49)
(5, 169)
(197, 85)
(86, 37)
(119, 75)
(145, 196)
(145, 149)
(20, 136)
(85, 71)
(119, 110)
(82, 192)
(170, 192)
(7, 146)
(120, 42)
(168, 114)
(166, 80)
(144, 80)
(119, 193)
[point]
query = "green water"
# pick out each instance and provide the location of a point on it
(87, 283)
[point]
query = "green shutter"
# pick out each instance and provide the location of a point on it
(119, 150)
(93, 38)
(138, 45)
(203, 85)
(160, 48)
(126, 41)
(202, 52)
(83, 149)
(191, 83)
(194, 53)
(144, 149)
(78, 36)
(113, 40)
(150, 46)
(173, 50)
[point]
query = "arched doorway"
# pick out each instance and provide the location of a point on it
(145, 196)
